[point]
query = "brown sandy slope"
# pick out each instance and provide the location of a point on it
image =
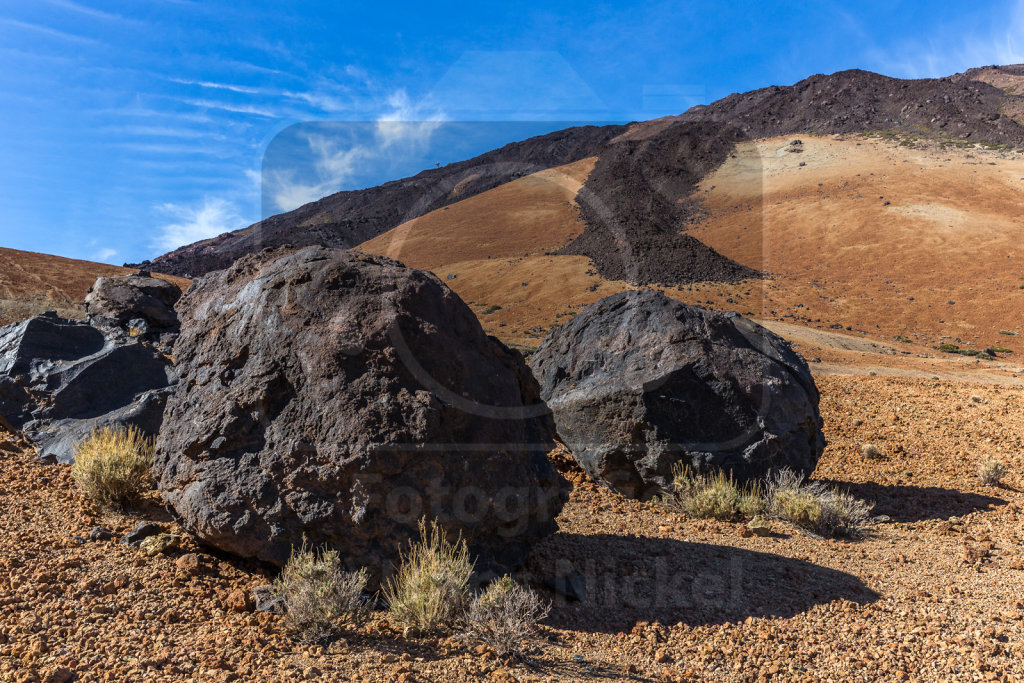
(530, 215)
(31, 283)
(951, 232)
(880, 238)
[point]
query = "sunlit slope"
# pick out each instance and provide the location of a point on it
(31, 283)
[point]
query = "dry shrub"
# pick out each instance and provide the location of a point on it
(112, 465)
(816, 507)
(431, 587)
(871, 452)
(504, 617)
(716, 495)
(991, 472)
(320, 596)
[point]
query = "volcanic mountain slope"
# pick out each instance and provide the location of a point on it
(645, 171)
(31, 283)
(865, 239)
(345, 219)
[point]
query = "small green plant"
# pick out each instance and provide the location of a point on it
(431, 587)
(493, 308)
(992, 350)
(714, 495)
(505, 616)
(816, 507)
(112, 465)
(320, 596)
(948, 348)
(991, 472)
(1008, 333)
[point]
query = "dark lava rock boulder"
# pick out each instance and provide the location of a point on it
(60, 379)
(638, 382)
(336, 397)
(140, 303)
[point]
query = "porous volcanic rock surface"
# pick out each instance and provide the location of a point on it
(335, 397)
(639, 382)
(637, 201)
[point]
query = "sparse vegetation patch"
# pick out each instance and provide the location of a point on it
(431, 587)
(321, 597)
(991, 472)
(815, 507)
(715, 495)
(505, 616)
(112, 465)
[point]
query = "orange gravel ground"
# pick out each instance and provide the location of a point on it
(935, 592)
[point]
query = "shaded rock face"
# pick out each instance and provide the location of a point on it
(140, 303)
(60, 379)
(638, 382)
(339, 397)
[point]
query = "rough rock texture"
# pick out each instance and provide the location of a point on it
(60, 379)
(638, 199)
(140, 303)
(638, 382)
(338, 397)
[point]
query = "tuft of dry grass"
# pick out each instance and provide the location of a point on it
(871, 452)
(991, 472)
(715, 495)
(112, 465)
(320, 596)
(431, 587)
(505, 617)
(816, 507)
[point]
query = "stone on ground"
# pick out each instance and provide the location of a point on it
(335, 398)
(640, 383)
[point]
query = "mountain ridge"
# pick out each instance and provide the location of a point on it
(959, 109)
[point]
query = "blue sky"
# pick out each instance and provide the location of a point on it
(128, 128)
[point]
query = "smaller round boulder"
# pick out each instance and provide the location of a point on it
(640, 384)
(123, 299)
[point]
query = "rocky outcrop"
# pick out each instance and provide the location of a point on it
(638, 382)
(140, 305)
(60, 379)
(336, 397)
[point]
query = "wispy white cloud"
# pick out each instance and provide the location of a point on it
(87, 11)
(406, 123)
(48, 31)
(245, 90)
(955, 49)
(234, 108)
(403, 126)
(105, 255)
(210, 218)
(333, 164)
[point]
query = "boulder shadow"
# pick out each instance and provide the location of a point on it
(917, 503)
(630, 579)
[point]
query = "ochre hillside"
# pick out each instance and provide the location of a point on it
(864, 239)
(31, 283)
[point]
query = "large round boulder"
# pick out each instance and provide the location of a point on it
(336, 398)
(639, 382)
